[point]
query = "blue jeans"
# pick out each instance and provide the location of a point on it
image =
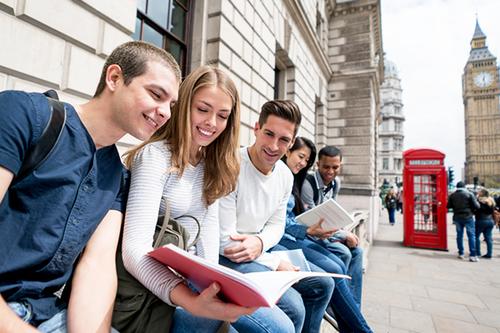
(260, 321)
(56, 324)
(304, 304)
(392, 218)
(288, 316)
(353, 260)
(485, 227)
(185, 322)
(316, 294)
(468, 224)
(345, 307)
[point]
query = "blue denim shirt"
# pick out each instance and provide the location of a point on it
(47, 218)
(293, 229)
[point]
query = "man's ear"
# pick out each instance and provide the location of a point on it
(291, 143)
(114, 76)
(256, 127)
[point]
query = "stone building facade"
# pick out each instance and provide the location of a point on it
(391, 132)
(481, 91)
(356, 57)
(326, 55)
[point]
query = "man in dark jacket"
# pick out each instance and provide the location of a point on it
(463, 204)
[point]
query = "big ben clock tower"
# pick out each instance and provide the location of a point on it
(481, 89)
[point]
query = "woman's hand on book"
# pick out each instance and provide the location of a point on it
(208, 305)
(317, 230)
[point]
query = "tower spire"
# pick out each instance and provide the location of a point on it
(478, 33)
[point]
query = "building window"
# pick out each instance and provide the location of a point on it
(397, 126)
(397, 164)
(385, 144)
(385, 125)
(166, 24)
(398, 144)
(279, 83)
(284, 84)
(385, 164)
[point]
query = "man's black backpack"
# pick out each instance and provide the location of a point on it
(311, 178)
(39, 152)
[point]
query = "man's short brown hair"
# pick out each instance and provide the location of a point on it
(284, 109)
(132, 57)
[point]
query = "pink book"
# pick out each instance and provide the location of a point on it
(251, 289)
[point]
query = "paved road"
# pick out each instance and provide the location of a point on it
(416, 290)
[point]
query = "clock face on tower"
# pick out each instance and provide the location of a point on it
(483, 79)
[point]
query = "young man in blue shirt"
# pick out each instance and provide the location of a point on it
(60, 224)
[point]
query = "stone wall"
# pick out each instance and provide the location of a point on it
(61, 44)
(248, 38)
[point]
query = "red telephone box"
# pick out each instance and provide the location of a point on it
(424, 199)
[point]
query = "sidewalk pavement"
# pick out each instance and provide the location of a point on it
(418, 290)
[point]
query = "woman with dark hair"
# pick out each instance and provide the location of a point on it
(301, 156)
(299, 160)
(484, 222)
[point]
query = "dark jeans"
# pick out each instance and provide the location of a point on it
(392, 218)
(468, 224)
(304, 304)
(346, 309)
(353, 260)
(485, 227)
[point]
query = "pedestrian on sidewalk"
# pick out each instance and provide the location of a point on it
(464, 203)
(484, 222)
(399, 198)
(496, 212)
(391, 204)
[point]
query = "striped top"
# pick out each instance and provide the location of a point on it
(151, 180)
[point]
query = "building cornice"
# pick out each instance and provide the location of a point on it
(373, 6)
(298, 15)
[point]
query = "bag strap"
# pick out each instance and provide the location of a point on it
(165, 224)
(312, 180)
(38, 153)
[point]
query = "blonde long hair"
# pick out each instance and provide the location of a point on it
(484, 196)
(221, 157)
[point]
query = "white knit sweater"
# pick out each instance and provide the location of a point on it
(257, 207)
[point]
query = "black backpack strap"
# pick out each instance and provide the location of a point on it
(312, 180)
(39, 152)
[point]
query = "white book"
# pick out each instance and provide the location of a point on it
(251, 289)
(335, 216)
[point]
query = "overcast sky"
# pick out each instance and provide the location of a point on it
(429, 41)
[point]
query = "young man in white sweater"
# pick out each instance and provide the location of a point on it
(252, 218)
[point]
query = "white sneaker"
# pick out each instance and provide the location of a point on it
(461, 256)
(474, 259)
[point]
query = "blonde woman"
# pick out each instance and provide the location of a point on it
(192, 161)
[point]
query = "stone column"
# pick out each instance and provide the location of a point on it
(355, 48)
